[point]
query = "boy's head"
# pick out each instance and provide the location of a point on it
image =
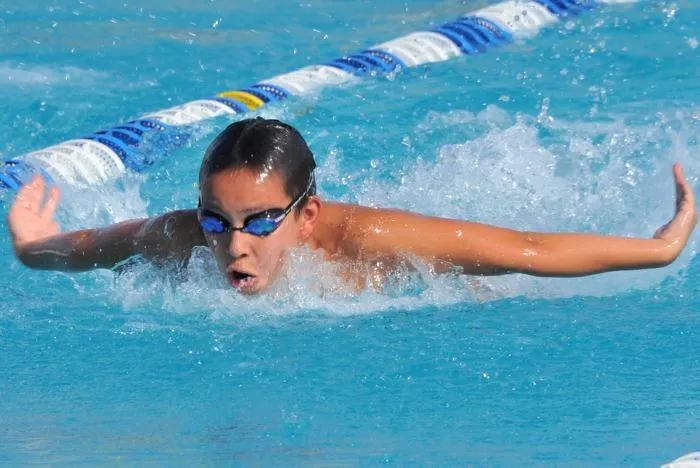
(257, 199)
(263, 146)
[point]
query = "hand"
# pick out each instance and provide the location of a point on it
(677, 231)
(30, 218)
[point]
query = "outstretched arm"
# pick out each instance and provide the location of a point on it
(39, 243)
(489, 250)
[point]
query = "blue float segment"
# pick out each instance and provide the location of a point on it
(553, 7)
(361, 64)
(264, 96)
(132, 151)
(125, 136)
(589, 4)
(7, 179)
(586, 4)
(376, 62)
(157, 145)
(565, 7)
(459, 40)
(350, 65)
(17, 173)
(572, 6)
(119, 147)
(124, 143)
(145, 139)
(391, 60)
(355, 69)
(277, 91)
(149, 124)
(469, 33)
(8, 182)
(139, 131)
(237, 106)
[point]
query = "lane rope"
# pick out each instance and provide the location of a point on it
(105, 155)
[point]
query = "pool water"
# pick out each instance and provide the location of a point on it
(575, 129)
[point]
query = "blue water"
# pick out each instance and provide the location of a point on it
(575, 129)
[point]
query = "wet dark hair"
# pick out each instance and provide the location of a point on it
(263, 145)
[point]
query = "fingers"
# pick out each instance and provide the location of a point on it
(30, 195)
(684, 193)
(51, 203)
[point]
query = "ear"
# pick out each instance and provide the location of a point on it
(309, 216)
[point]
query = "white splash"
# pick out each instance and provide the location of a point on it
(611, 177)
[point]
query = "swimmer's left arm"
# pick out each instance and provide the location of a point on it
(489, 250)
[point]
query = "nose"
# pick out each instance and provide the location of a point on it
(238, 245)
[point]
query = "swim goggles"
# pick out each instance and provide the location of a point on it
(259, 224)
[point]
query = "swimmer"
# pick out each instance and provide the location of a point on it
(257, 200)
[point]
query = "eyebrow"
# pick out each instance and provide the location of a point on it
(258, 209)
(216, 211)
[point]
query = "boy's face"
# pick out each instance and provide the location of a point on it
(232, 197)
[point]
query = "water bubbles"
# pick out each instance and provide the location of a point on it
(670, 11)
(543, 117)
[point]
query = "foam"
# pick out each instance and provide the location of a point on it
(530, 173)
(539, 172)
(307, 286)
(94, 206)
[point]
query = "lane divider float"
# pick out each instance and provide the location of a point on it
(105, 155)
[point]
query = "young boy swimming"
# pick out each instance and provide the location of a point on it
(258, 200)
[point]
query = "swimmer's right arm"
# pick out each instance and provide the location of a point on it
(39, 243)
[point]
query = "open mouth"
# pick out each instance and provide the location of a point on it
(241, 280)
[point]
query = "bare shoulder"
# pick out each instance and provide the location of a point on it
(361, 220)
(171, 235)
(331, 232)
(346, 228)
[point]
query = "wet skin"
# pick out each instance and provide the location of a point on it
(345, 233)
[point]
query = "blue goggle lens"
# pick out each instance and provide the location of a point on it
(212, 225)
(260, 226)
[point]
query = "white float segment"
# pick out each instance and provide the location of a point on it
(690, 460)
(104, 158)
(79, 161)
(421, 47)
(522, 19)
(191, 112)
(310, 79)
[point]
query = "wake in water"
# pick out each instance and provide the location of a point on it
(308, 285)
